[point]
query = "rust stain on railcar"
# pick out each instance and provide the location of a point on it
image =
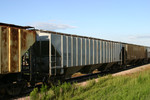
(14, 49)
(28, 38)
(4, 50)
(23, 39)
(14, 43)
(135, 52)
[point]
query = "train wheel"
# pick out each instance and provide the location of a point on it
(14, 89)
(2, 92)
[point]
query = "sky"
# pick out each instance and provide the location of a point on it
(118, 20)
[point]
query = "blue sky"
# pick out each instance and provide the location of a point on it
(118, 20)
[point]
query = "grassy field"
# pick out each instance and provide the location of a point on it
(133, 87)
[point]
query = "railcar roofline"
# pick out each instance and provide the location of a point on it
(12, 25)
(54, 32)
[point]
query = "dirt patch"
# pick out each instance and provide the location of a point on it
(134, 70)
(23, 98)
(127, 72)
(95, 71)
(77, 74)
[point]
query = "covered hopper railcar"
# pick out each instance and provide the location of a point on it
(61, 55)
(14, 42)
(64, 55)
(28, 56)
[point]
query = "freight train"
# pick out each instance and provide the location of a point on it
(29, 55)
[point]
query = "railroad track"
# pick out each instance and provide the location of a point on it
(24, 93)
(71, 80)
(96, 75)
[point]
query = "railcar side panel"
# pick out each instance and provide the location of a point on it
(15, 42)
(87, 52)
(28, 38)
(148, 52)
(14, 49)
(83, 51)
(69, 51)
(79, 51)
(135, 52)
(99, 52)
(91, 51)
(64, 52)
(56, 42)
(104, 51)
(4, 50)
(113, 52)
(74, 51)
(95, 52)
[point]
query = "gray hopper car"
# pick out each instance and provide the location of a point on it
(30, 56)
(61, 55)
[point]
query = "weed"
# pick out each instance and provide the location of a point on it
(34, 94)
(134, 87)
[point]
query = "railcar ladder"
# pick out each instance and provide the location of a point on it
(26, 65)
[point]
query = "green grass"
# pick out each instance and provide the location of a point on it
(133, 87)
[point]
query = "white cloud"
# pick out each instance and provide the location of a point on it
(52, 26)
(144, 36)
(139, 39)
